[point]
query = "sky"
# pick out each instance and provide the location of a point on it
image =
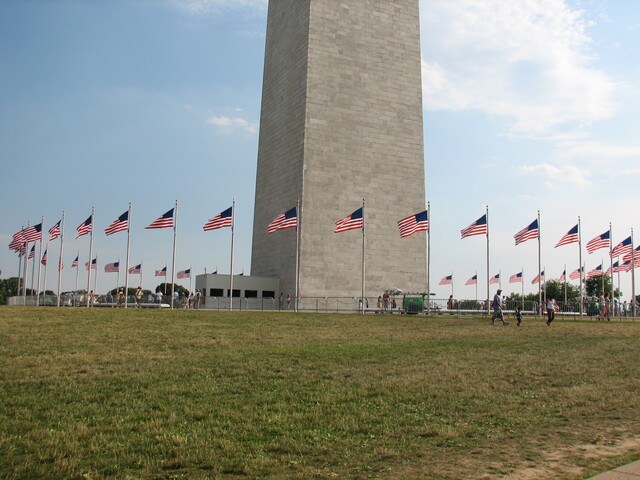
(529, 105)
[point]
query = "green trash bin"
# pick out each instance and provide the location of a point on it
(413, 304)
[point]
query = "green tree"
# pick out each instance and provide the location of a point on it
(167, 287)
(555, 289)
(593, 286)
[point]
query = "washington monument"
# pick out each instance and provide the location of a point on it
(341, 122)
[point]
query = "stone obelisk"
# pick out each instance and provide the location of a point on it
(341, 122)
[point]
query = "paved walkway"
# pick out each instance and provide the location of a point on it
(628, 472)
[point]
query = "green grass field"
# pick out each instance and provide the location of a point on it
(149, 394)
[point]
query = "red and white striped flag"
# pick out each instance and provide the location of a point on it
(120, 224)
(601, 241)
(44, 257)
(55, 231)
(516, 278)
(288, 219)
(414, 223)
(538, 278)
(571, 237)
(623, 248)
(165, 221)
(184, 274)
(94, 264)
(223, 219)
(351, 222)
(85, 227)
(575, 275)
(495, 279)
(33, 233)
(528, 232)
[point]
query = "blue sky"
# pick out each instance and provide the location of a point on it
(529, 105)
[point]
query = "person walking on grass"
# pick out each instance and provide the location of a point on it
(551, 311)
(518, 315)
(497, 309)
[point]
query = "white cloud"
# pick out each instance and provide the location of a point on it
(528, 61)
(233, 123)
(198, 7)
(550, 175)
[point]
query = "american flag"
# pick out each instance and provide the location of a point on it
(576, 273)
(538, 278)
(612, 268)
(184, 273)
(33, 233)
(120, 224)
(44, 257)
(18, 241)
(85, 227)
(596, 272)
(516, 278)
(55, 231)
(527, 233)
(94, 264)
(350, 222)
(570, 237)
(563, 277)
(601, 241)
(473, 280)
(495, 279)
(137, 270)
(623, 248)
(288, 219)
(112, 267)
(165, 221)
(448, 280)
(413, 223)
(223, 219)
(634, 254)
(479, 227)
(161, 273)
(74, 264)
(32, 253)
(60, 265)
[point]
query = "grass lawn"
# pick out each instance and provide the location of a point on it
(149, 394)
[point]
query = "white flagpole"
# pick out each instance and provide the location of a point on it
(233, 228)
(522, 286)
(633, 277)
(33, 270)
(565, 285)
(363, 258)
(95, 280)
(488, 265)
(44, 287)
(429, 261)
(19, 273)
(580, 267)
(126, 269)
(140, 276)
(40, 260)
(190, 278)
(118, 277)
(611, 260)
(173, 265)
(93, 224)
(539, 265)
(26, 268)
(78, 270)
(60, 258)
(298, 220)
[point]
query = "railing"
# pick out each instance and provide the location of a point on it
(370, 305)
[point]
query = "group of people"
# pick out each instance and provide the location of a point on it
(386, 302)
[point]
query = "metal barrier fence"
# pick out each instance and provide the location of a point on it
(398, 305)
